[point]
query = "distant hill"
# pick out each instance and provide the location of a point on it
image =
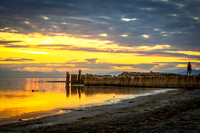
(194, 72)
(183, 72)
(111, 73)
(35, 74)
(26, 74)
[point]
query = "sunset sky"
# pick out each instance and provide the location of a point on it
(99, 35)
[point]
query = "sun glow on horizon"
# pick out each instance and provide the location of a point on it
(63, 48)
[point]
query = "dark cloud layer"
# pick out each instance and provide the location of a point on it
(16, 59)
(7, 42)
(171, 22)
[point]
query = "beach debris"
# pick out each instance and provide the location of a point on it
(131, 102)
(20, 119)
(34, 90)
(64, 109)
(73, 109)
(82, 118)
(120, 112)
(77, 109)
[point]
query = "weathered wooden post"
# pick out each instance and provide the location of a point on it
(79, 77)
(67, 78)
(79, 91)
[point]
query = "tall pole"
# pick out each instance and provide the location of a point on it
(79, 76)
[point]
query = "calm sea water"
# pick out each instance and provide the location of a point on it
(29, 98)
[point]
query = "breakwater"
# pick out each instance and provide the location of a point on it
(162, 81)
(137, 79)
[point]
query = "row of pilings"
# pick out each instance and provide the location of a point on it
(161, 81)
(74, 78)
(180, 81)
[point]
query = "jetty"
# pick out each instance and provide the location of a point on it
(136, 79)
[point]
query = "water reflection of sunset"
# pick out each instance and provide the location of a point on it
(52, 96)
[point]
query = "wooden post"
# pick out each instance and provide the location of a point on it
(67, 78)
(79, 91)
(79, 77)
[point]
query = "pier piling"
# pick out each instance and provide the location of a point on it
(67, 78)
(79, 77)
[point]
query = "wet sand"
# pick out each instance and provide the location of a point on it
(172, 111)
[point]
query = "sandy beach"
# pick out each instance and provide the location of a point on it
(172, 111)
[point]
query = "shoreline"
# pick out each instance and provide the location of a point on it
(114, 117)
(63, 110)
(112, 99)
